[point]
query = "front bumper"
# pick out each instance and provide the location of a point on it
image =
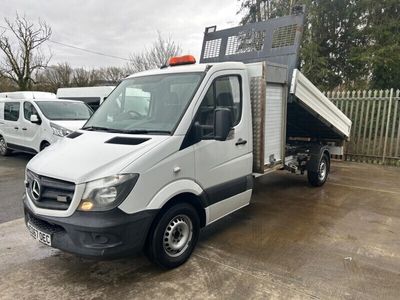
(108, 234)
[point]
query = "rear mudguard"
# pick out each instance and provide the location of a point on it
(316, 152)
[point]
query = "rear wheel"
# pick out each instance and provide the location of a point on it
(173, 238)
(4, 151)
(319, 177)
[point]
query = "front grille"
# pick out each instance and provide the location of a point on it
(43, 225)
(49, 193)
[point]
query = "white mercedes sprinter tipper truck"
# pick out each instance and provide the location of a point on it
(149, 172)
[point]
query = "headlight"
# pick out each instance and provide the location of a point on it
(107, 193)
(59, 130)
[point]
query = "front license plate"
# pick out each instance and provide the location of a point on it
(39, 235)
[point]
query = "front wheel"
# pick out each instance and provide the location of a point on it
(172, 239)
(319, 177)
(4, 151)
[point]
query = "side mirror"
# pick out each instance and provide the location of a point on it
(223, 123)
(35, 119)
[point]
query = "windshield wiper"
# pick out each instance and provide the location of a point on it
(97, 128)
(127, 131)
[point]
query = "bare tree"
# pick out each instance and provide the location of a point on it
(82, 77)
(158, 55)
(112, 74)
(57, 76)
(25, 57)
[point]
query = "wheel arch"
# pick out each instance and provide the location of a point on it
(181, 191)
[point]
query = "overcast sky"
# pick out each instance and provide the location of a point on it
(121, 27)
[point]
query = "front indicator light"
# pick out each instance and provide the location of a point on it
(107, 193)
(86, 206)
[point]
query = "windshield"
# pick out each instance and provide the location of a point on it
(64, 110)
(148, 104)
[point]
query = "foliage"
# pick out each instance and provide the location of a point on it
(349, 44)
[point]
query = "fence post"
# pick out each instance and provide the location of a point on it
(387, 125)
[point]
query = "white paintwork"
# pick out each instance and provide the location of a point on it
(273, 123)
(313, 98)
(221, 161)
(28, 95)
(33, 134)
(173, 189)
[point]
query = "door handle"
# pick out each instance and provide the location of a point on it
(16, 128)
(24, 128)
(241, 142)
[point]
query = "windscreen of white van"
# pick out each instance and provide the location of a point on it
(64, 110)
(148, 104)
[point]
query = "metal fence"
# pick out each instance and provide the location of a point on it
(375, 133)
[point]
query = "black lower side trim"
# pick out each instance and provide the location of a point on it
(227, 189)
(21, 148)
(109, 234)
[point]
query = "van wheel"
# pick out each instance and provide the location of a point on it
(44, 145)
(318, 178)
(172, 239)
(4, 151)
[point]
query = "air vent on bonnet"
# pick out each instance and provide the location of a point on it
(74, 134)
(126, 140)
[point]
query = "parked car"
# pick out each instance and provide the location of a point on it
(30, 125)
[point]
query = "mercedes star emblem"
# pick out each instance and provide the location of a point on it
(36, 189)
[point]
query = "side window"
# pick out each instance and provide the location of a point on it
(228, 94)
(224, 92)
(11, 111)
(29, 110)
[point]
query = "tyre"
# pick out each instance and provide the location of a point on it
(44, 145)
(4, 151)
(318, 178)
(173, 237)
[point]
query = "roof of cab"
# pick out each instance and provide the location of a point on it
(191, 68)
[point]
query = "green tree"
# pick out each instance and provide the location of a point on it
(349, 44)
(333, 44)
(382, 28)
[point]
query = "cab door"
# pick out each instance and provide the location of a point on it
(31, 131)
(223, 168)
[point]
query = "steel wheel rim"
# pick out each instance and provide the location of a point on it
(322, 170)
(177, 235)
(3, 145)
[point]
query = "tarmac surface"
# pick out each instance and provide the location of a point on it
(292, 241)
(12, 170)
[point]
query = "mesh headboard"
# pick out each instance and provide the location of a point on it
(275, 40)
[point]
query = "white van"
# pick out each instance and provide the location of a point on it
(30, 125)
(177, 149)
(92, 96)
